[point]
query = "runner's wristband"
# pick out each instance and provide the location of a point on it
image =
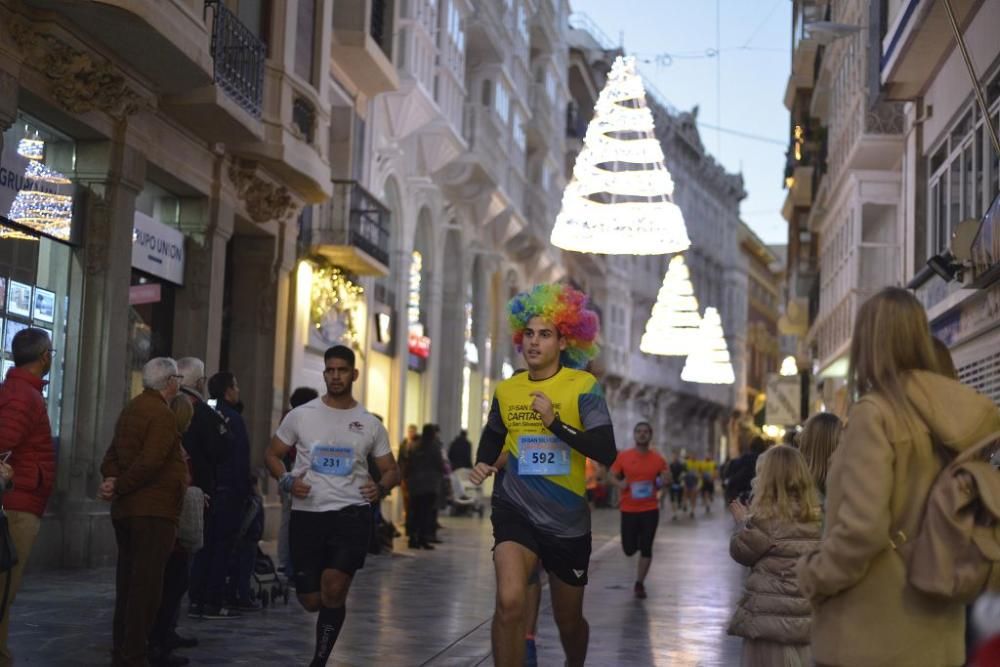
(286, 482)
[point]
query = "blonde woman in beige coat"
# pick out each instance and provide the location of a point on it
(866, 614)
(781, 525)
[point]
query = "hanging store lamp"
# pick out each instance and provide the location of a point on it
(619, 201)
(708, 362)
(672, 329)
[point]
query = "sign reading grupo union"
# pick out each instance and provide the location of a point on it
(157, 249)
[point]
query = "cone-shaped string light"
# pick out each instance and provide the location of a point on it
(619, 201)
(672, 329)
(708, 362)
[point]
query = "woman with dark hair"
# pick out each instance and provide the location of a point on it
(424, 472)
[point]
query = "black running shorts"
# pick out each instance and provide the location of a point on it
(639, 531)
(568, 558)
(332, 540)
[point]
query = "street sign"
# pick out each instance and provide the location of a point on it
(784, 396)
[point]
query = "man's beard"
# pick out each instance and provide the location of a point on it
(346, 391)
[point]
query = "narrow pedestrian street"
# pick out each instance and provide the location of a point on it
(433, 608)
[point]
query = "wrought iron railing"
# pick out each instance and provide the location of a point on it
(380, 28)
(368, 226)
(238, 56)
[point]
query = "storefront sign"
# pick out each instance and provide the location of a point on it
(157, 249)
(147, 293)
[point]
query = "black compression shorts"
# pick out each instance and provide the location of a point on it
(639, 531)
(332, 540)
(568, 558)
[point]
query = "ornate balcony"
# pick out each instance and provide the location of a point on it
(238, 57)
(352, 230)
(362, 44)
(166, 41)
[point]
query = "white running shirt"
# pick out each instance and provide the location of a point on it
(331, 448)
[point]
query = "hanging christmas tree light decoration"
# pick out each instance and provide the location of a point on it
(708, 362)
(619, 201)
(44, 204)
(672, 329)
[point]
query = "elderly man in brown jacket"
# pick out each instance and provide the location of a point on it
(145, 479)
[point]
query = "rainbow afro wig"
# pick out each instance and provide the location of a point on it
(566, 308)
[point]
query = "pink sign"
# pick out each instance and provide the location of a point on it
(147, 293)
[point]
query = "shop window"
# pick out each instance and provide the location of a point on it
(36, 266)
(36, 187)
(157, 273)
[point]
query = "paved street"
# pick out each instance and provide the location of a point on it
(433, 608)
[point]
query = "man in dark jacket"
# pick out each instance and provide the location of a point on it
(460, 451)
(741, 471)
(26, 434)
(145, 478)
(232, 492)
(208, 442)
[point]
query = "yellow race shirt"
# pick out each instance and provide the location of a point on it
(544, 479)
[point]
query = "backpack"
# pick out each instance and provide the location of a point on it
(955, 551)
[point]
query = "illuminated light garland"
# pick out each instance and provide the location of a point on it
(672, 329)
(708, 362)
(39, 171)
(47, 212)
(619, 201)
(335, 295)
(33, 149)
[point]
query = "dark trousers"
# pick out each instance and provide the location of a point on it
(210, 566)
(241, 566)
(175, 585)
(422, 507)
(144, 545)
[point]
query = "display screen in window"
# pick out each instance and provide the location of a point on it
(36, 191)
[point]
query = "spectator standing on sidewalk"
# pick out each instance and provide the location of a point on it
(423, 472)
(25, 433)
(460, 451)
(300, 396)
(145, 478)
(232, 490)
(866, 611)
(781, 525)
(208, 442)
(409, 441)
(163, 638)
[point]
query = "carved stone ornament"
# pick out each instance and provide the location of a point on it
(80, 82)
(264, 201)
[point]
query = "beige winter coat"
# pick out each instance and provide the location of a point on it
(867, 615)
(772, 607)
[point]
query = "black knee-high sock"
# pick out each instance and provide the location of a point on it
(328, 625)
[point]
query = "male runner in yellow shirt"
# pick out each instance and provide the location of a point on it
(548, 420)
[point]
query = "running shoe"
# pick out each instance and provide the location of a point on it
(640, 590)
(219, 613)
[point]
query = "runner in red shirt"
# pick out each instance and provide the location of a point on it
(640, 473)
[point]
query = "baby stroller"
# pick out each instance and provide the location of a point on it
(267, 585)
(465, 496)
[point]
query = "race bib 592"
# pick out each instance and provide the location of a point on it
(542, 455)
